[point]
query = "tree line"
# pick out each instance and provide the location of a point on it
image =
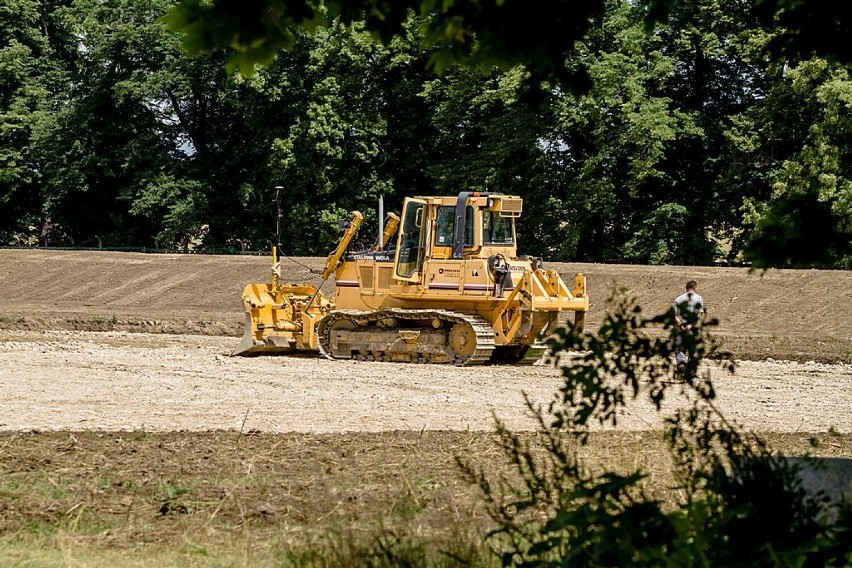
(687, 144)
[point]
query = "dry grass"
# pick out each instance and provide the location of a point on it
(224, 499)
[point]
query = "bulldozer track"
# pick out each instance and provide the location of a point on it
(519, 354)
(367, 321)
(533, 355)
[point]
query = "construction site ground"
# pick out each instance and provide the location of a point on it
(115, 369)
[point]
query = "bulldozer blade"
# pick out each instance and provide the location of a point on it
(250, 346)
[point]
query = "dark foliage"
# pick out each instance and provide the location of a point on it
(740, 503)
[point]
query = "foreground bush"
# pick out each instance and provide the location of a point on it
(736, 502)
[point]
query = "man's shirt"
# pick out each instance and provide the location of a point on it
(690, 302)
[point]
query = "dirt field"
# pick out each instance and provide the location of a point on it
(116, 388)
(125, 381)
(177, 376)
(780, 314)
(80, 316)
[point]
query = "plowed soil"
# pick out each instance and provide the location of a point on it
(123, 341)
(796, 315)
(118, 399)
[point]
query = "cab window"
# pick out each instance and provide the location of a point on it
(411, 250)
(497, 230)
(445, 225)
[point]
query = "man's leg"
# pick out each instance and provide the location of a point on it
(680, 362)
(680, 358)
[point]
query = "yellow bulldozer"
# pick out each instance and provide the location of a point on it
(450, 288)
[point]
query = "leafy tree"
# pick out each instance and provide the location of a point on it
(661, 237)
(144, 149)
(808, 29)
(30, 78)
(105, 135)
(507, 32)
(721, 72)
(612, 145)
(330, 157)
(806, 219)
(690, 137)
(485, 136)
(705, 66)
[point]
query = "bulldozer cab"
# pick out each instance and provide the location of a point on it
(471, 225)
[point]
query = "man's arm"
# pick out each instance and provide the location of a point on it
(676, 307)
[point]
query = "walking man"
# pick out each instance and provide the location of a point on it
(689, 313)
